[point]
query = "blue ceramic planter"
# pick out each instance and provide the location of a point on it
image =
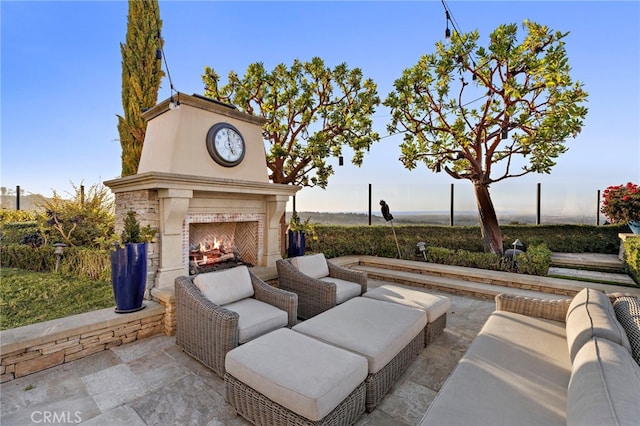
(129, 276)
(297, 242)
(635, 227)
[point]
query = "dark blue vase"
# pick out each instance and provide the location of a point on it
(129, 276)
(296, 243)
(634, 226)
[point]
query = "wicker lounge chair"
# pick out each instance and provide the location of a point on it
(319, 283)
(207, 331)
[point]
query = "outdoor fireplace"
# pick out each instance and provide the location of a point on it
(209, 212)
(221, 243)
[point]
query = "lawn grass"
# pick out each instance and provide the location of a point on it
(30, 297)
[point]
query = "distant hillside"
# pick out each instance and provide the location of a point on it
(459, 219)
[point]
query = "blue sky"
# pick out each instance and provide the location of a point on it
(61, 82)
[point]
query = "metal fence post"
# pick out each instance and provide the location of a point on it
(369, 204)
(451, 208)
(17, 197)
(538, 204)
(598, 209)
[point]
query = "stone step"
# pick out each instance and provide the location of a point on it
(585, 275)
(587, 261)
(471, 281)
(448, 285)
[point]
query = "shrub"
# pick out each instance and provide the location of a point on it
(632, 258)
(90, 263)
(10, 216)
(14, 232)
(621, 203)
(78, 221)
(535, 261)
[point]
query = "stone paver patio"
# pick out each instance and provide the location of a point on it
(152, 382)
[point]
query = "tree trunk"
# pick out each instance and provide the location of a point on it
(491, 234)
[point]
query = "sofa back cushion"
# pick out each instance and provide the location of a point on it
(225, 286)
(627, 310)
(314, 265)
(604, 386)
(591, 314)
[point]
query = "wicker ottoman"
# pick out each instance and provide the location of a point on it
(390, 336)
(436, 307)
(287, 378)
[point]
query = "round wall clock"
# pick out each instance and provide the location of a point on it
(225, 144)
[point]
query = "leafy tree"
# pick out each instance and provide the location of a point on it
(141, 77)
(312, 111)
(488, 114)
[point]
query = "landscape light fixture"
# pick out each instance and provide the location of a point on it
(505, 133)
(422, 249)
(341, 161)
(59, 251)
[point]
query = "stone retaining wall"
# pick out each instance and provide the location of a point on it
(29, 349)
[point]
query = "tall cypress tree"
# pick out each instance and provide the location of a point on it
(141, 77)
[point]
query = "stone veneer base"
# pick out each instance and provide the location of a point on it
(32, 348)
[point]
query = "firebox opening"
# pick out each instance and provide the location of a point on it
(215, 246)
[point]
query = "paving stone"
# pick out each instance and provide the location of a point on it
(96, 362)
(65, 411)
(54, 384)
(187, 401)
(114, 386)
(123, 415)
(407, 401)
(141, 348)
(157, 370)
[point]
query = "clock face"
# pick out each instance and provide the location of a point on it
(225, 144)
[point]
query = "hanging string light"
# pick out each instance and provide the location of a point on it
(174, 102)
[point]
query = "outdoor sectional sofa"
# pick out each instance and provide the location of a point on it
(548, 362)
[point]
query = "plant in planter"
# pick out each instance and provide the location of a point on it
(297, 233)
(129, 264)
(621, 204)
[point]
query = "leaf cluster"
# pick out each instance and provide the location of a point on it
(480, 112)
(312, 112)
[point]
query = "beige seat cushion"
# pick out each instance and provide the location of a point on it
(225, 286)
(374, 329)
(591, 314)
(257, 318)
(604, 387)
(345, 290)
(300, 373)
(314, 265)
(435, 306)
(515, 372)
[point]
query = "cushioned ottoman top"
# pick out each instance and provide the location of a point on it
(435, 306)
(375, 329)
(302, 374)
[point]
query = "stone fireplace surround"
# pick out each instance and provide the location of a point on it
(172, 202)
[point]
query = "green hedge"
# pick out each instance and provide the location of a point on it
(12, 233)
(94, 264)
(336, 241)
(632, 257)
